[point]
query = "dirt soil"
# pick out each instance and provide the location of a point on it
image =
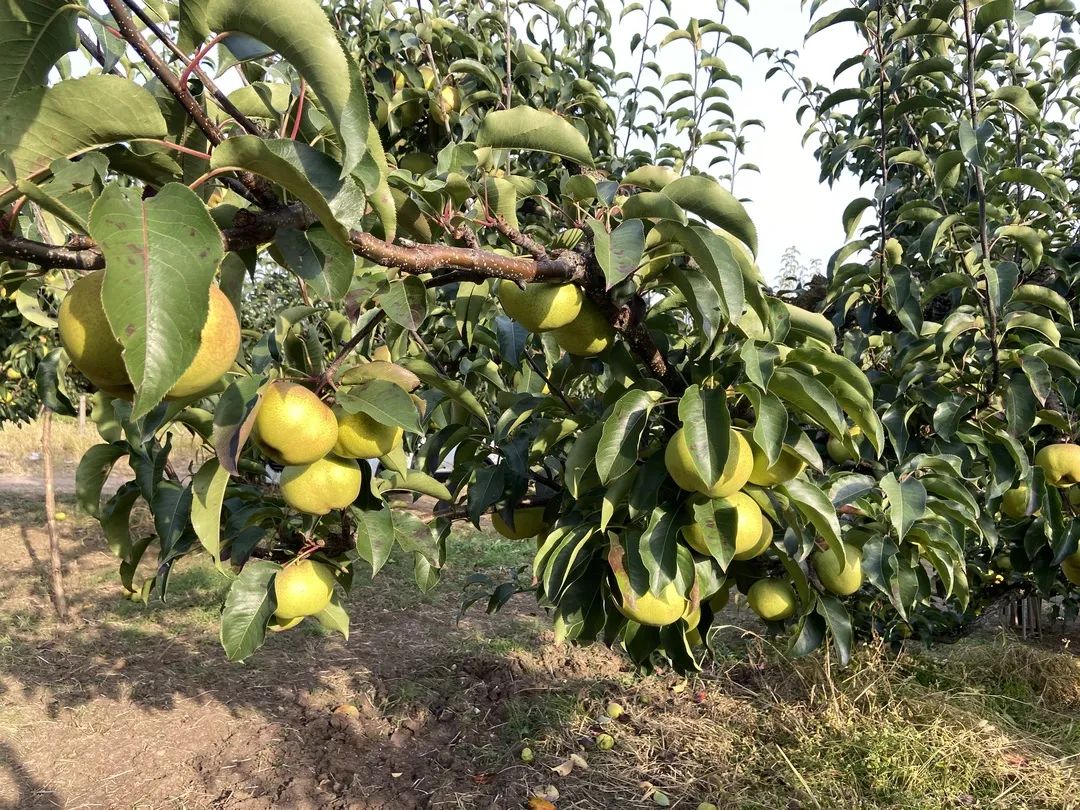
(124, 709)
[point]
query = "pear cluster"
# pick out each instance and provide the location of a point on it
(319, 447)
(88, 340)
(576, 323)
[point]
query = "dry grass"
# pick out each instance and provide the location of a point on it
(20, 446)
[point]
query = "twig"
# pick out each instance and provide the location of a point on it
(347, 348)
(207, 82)
(95, 51)
(517, 237)
(547, 381)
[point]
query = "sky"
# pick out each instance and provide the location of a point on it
(788, 205)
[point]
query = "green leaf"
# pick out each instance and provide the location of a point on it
(234, 417)
(994, 11)
(34, 34)
(844, 15)
(310, 175)
(405, 303)
(1019, 99)
(706, 427)
(94, 468)
(618, 253)
(810, 397)
(535, 130)
(115, 520)
(208, 494)
(374, 536)
(1044, 297)
(40, 125)
(718, 525)
(715, 259)
(416, 481)
(162, 254)
(1028, 238)
(385, 402)
(907, 502)
(320, 260)
(653, 205)
(248, 607)
(839, 622)
(617, 451)
(853, 215)
(705, 197)
(815, 506)
(1027, 320)
(334, 617)
(452, 388)
(972, 144)
(301, 32)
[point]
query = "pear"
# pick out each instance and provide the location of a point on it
(748, 526)
(1060, 464)
(89, 342)
(842, 583)
(541, 307)
(1014, 503)
(838, 452)
(737, 468)
(587, 335)
(318, 487)
(528, 522)
(772, 599)
(293, 426)
(650, 609)
(360, 436)
(787, 467)
(301, 588)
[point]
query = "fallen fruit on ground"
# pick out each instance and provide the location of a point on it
(605, 742)
(294, 426)
(541, 307)
(772, 599)
(360, 436)
(841, 582)
(325, 484)
(302, 588)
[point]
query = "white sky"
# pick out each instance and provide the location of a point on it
(786, 201)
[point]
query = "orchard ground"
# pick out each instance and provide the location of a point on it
(129, 706)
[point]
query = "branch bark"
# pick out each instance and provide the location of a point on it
(56, 570)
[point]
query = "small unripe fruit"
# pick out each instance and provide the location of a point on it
(605, 742)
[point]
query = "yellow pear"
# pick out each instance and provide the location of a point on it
(1060, 464)
(838, 452)
(446, 101)
(541, 307)
(89, 342)
(87, 337)
(772, 599)
(1014, 503)
(763, 543)
(650, 609)
(787, 466)
(737, 468)
(842, 583)
(587, 335)
(294, 426)
(528, 522)
(318, 487)
(360, 436)
(302, 588)
(1070, 566)
(747, 525)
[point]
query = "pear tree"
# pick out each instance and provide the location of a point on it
(521, 289)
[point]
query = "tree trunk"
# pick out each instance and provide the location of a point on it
(56, 572)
